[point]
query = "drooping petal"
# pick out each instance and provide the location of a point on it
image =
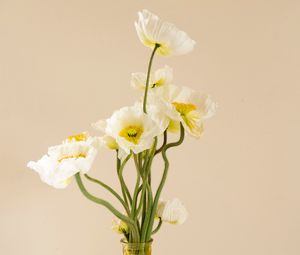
(172, 211)
(120, 227)
(47, 168)
(152, 30)
(99, 125)
(184, 105)
(110, 142)
(163, 77)
(76, 154)
(138, 80)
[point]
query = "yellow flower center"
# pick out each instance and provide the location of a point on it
(132, 133)
(78, 138)
(163, 48)
(158, 83)
(183, 108)
(79, 155)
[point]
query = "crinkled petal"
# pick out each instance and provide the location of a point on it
(151, 31)
(138, 81)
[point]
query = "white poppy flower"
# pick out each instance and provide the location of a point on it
(161, 77)
(172, 211)
(107, 140)
(152, 30)
(157, 109)
(110, 142)
(75, 154)
(120, 227)
(132, 129)
(186, 106)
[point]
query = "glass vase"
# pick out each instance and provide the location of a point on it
(136, 248)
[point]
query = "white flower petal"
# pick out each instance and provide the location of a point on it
(161, 77)
(136, 120)
(65, 160)
(151, 31)
(110, 142)
(119, 227)
(100, 125)
(172, 211)
(138, 81)
(185, 105)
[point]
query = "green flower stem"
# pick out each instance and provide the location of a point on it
(143, 199)
(139, 165)
(174, 144)
(148, 77)
(164, 143)
(118, 167)
(149, 201)
(106, 204)
(163, 180)
(148, 215)
(126, 193)
(140, 161)
(150, 178)
(136, 161)
(125, 190)
(140, 204)
(157, 227)
(111, 190)
(137, 185)
(149, 174)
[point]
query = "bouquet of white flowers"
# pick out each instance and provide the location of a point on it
(138, 133)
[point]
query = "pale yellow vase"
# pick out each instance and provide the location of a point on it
(136, 248)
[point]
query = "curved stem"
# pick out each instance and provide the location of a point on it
(135, 194)
(164, 143)
(138, 164)
(125, 190)
(163, 180)
(180, 140)
(106, 204)
(157, 227)
(138, 210)
(111, 190)
(148, 77)
(148, 206)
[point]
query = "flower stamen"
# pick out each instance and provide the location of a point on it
(184, 108)
(132, 133)
(75, 156)
(78, 138)
(158, 83)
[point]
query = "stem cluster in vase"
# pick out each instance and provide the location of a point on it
(141, 205)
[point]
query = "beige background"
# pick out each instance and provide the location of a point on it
(66, 64)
